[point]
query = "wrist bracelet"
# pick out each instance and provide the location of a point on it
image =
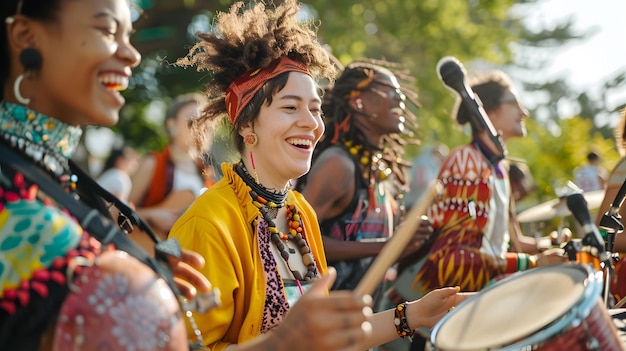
(401, 323)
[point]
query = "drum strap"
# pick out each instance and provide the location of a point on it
(94, 222)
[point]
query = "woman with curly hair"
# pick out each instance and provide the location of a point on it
(261, 240)
(359, 205)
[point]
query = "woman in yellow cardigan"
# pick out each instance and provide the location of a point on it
(260, 239)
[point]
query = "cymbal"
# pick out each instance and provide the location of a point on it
(557, 208)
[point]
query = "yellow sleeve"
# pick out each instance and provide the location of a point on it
(201, 236)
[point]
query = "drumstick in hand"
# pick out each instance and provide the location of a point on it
(398, 241)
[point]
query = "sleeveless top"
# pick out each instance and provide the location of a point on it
(361, 221)
(164, 179)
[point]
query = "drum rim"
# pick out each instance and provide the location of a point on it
(582, 308)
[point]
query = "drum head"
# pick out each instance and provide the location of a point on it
(512, 309)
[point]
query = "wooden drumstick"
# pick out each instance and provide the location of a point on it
(398, 241)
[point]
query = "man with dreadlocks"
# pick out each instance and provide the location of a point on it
(360, 203)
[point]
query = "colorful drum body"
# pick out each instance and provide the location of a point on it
(557, 307)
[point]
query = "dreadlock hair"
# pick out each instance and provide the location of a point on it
(341, 126)
(247, 39)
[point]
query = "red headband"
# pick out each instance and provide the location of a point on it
(242, 90)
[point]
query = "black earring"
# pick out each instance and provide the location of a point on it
(30, 58)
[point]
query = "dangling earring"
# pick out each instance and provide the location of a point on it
(250, 139)
(256, 176)
(30, 59)
(359, 103)
(16, 91)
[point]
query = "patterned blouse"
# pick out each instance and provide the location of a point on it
(56, 282)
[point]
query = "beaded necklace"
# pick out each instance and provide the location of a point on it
(47, 142)
(374, 167)
(296, 231)
(274, 199)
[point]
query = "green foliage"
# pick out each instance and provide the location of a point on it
(553, 156)
(418, 34)
(481, 34)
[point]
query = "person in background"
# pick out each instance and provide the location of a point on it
(65, 284)
(592, 176)
(472, 216)
(359, 205)
(167, 181)
(615, 181)
(117, 171)
(522, 182)
(261, 239)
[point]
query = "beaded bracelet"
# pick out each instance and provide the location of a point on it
(516, 262)
(401, 323)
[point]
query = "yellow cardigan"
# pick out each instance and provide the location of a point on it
(221, 226)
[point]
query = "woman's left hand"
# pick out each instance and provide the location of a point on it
(192, 284)
(428, 310)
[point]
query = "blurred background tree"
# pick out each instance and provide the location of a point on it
(481, 34)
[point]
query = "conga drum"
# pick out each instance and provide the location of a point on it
(557, 307)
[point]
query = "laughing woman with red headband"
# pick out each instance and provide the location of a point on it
(65, 283)
(261, 240)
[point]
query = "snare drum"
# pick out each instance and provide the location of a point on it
(555, 307)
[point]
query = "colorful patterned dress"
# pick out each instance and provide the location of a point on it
(470, 221)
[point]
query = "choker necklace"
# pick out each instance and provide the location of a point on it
(273, 199)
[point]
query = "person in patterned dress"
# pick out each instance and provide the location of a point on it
(471, 218)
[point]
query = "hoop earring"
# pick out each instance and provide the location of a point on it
(256, 176)
(16, 91)
(30, 58)
(251, 139)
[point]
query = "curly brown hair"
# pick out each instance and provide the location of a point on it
(248, 39)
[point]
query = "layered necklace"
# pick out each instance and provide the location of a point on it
(268, 202)
(374, 167)
(44, 140)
